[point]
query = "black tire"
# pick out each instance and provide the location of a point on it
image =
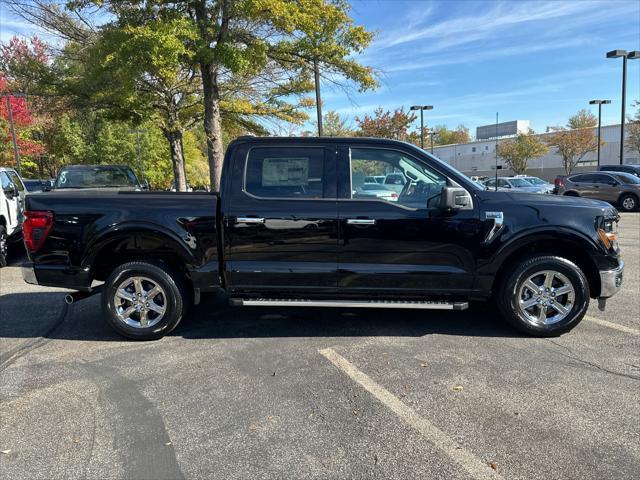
(511, 288)
(628, 202)
(4, 246)
(570, 194)
(174, 298)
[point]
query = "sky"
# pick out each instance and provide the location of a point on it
(526, 60)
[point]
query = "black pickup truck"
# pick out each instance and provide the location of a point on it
(311, 222)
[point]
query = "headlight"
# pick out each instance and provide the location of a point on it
(608, 233)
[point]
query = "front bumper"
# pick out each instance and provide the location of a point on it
(611, 281)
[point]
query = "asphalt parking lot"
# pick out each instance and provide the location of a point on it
(303, 393)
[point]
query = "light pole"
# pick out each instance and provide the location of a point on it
(599, 103)
(16, 150)
(632, 56)
(422, 108)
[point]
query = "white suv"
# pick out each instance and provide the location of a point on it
(12, 194)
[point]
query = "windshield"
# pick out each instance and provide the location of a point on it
(626, 178)
(96, 177)
(519, 182)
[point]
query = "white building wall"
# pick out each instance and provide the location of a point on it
(478, 158)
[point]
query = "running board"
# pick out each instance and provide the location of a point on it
(283, 302)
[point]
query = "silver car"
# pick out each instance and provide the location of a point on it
(511, 184)
(545, 187)
(369, 190)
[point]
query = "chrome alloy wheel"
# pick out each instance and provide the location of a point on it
(140, 302)
(545, 298)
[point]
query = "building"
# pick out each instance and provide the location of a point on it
(478, 158)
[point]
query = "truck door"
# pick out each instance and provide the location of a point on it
(402, 245)
(280, 217)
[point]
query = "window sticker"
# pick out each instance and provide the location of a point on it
(285, 172)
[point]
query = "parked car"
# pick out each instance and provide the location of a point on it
(113, 177)
(375, 179)
(395, 181)
(632, 168)
(618, 188)
(33, 186)
(287, 230)
(513, 184)
(12, 195)
(368, 190)
(545, 187)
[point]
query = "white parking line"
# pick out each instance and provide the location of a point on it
(472, 464)
(616, 326)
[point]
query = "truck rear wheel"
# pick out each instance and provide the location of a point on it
(544, 296)
(144, 301)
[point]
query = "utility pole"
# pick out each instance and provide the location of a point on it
(316, 74)
(16, 150)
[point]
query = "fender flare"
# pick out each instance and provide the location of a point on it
(568, 238)
(125, 231)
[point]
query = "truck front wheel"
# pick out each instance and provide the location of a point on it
(144, 301)
(544, 296)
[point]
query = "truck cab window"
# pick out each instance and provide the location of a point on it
(285, 172)
(407, 182)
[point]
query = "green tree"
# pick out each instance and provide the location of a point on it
(335, 126)
(444, 136)
(517, 152)
(574, 143)
(278, 39)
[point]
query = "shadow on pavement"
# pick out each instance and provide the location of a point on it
(213, 318)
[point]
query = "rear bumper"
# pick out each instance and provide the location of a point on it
(611, 281)
(29, 275)
(57, 276)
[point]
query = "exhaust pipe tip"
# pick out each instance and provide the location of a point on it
(68, 299)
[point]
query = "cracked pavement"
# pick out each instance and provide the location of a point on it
(246, 393)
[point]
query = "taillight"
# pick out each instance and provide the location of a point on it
(558, 182)
(35, 228)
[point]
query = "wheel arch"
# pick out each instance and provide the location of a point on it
(127, 244)
(574, 248)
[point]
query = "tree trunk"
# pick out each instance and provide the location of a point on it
(209, 72)
(212, 124)
(177, 159)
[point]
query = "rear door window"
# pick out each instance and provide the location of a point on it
(602, 179)
(285, 172)
(584, 178)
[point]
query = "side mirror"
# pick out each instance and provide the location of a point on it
(46, 187)
(10, 190)
(456, 198)
(145, 185)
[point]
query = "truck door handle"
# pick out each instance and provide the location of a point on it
(249, 220)
(361, 221)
